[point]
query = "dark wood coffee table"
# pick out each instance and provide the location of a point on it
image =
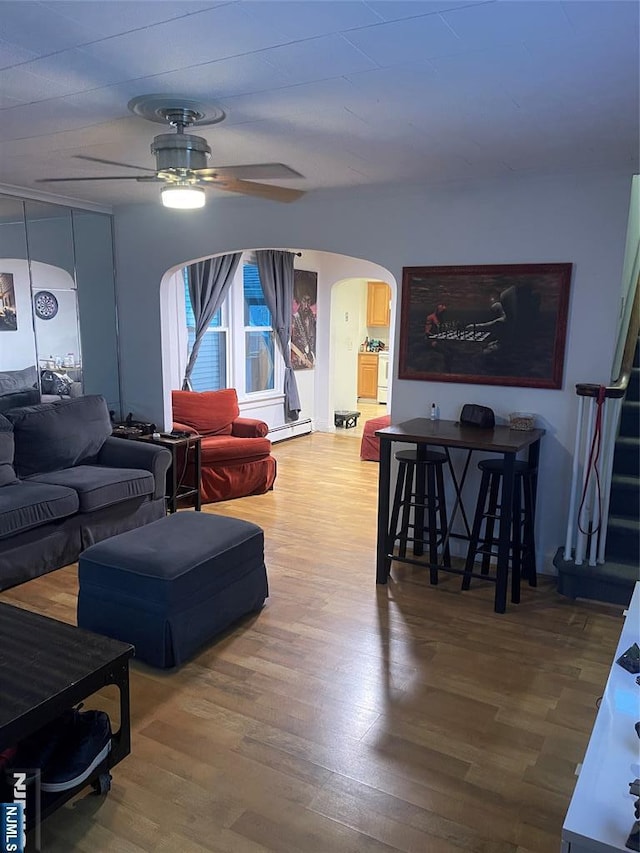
(48, 666)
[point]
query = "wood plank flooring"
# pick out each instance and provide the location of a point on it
(346, 717)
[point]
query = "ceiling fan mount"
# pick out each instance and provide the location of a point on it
(182, 158)
(176, 110)
(181, 118)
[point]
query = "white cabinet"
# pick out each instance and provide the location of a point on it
(600, 815)
(383, 376)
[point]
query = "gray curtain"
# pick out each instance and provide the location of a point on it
(208, 283)
(276, 276)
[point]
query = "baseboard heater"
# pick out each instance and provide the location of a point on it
(291, 430)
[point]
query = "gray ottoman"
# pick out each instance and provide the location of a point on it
(172, 585)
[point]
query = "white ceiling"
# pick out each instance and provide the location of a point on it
(343, 91)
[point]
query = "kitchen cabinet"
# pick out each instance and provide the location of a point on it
(368, 375)
(378, 304)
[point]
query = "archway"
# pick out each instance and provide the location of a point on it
(315, 385)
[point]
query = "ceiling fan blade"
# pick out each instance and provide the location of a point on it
(111, 162)
(143, 178)
(260, 190)
(251, 172)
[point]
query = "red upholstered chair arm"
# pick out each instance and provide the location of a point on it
(249, 428)
(184, 428)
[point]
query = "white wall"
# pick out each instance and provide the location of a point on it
(57, 336)
(580, 219)
(346, 328)
(18, 349)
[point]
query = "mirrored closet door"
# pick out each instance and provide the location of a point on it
(57, 300)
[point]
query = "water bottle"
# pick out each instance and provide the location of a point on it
(434, 412)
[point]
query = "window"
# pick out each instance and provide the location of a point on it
(210, 370)
(238, 349)
(258, 334)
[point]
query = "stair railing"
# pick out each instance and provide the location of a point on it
(599, 409)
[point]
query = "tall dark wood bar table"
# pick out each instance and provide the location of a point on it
(447, 434)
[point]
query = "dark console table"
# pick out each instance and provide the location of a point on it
(183, 448)
(48, 666)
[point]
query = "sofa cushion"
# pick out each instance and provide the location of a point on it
(53, 436)
(26, 397)
(18, 380)
(175, 562)
(208, 412)
(98, 487)
(24, 505)
(7, 474)
(218, 449)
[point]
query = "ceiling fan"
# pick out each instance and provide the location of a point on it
(181, 158)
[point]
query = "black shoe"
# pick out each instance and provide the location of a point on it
(85, 746)
(35, 751)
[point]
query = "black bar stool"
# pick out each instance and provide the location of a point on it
(420, 485)
(523, 557)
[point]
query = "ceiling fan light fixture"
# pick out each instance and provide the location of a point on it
(182, 197)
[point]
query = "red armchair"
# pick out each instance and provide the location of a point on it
(236, 455)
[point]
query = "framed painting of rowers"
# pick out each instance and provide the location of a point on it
(487, 325)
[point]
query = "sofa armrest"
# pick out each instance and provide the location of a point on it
(249, 428)
(128, 453)
(184, 428)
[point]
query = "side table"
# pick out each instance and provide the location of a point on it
(177, 489)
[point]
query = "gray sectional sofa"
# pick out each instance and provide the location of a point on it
(66, 483)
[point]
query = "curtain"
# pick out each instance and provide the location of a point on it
(208, 283)
(276, 276)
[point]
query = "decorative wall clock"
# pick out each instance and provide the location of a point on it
(46, 305)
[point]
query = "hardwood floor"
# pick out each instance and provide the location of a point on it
(347, 717)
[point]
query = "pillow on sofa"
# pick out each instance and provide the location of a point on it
(7, 474)
(53, 436)
(53, 382)
(208, 412)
